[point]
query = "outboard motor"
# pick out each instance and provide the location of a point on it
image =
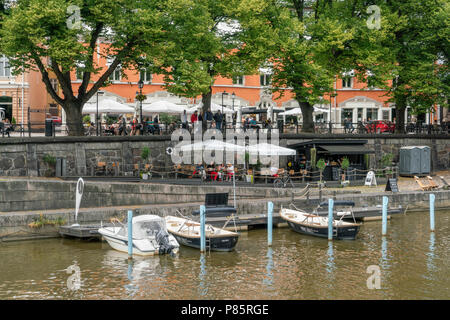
(162, 238)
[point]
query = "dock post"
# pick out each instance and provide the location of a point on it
(269, 223)
(384, 215)
(130, 234)
(202, 229)
(432, 199)
(330, 219)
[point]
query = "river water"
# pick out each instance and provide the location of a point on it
(410, 263)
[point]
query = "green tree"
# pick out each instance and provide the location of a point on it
(420, 48)
(317, 40)
(60, 36)
(217, 38)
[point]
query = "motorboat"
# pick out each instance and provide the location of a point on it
(315, 225)
(150, 236)
(187, 232)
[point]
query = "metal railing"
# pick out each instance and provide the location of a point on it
(53, 128)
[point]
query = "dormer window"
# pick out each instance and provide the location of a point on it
(5, 68)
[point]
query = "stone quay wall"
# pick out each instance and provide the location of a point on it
(25, 156)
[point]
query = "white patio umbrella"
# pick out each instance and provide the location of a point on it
(163, 107)
(107, 106)
(214, 108)
(213, 145)
(298, 111)
(267, 149)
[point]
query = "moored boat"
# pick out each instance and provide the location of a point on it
(187, 232)
(315, 225)
(150, 236)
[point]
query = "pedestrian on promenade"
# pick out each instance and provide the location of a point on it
(218, 118)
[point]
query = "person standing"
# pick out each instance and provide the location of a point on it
(218, 119)
(208, 118)
(184, 120)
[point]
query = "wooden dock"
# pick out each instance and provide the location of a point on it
(245, 221)
(85, 232)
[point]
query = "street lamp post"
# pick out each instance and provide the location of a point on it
(96, 114)
(223, 118)
(233, 96)
(140, 85)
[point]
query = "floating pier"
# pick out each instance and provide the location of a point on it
(87, 232)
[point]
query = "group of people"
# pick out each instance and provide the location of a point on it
(214, 173)
(120, 127)
(216, 120)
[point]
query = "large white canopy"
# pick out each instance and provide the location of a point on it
(267, 149)
(298, 111)
(217, 145)
(162, 107)
(214, 108)
(107, 106)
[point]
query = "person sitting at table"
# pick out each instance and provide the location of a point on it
(230, 171)
(274, 172)
(220, 170)
(253, 124)
(199, 169)
(211, 171)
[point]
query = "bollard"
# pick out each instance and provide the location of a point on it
(269, 222)
(330, 219)
(202, 229)
(130, 234)
(384, 216)
(432, 198)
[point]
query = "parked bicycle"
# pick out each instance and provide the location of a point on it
(283, 182)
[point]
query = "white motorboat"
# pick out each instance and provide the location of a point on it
(187, 232)
(315, 225)
(150, 236)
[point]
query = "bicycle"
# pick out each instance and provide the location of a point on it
(282, 182)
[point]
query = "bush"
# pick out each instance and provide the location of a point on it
(49, 159)
(87, 119)
(145, 153)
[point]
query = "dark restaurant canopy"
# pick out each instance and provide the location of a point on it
(344, 149)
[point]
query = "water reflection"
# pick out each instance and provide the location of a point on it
(268, 279)
(431, 255)
(412, 266)
(203, 286)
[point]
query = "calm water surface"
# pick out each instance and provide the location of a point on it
(414, 264)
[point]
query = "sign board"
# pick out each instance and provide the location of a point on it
(392, 185)
(370, 179)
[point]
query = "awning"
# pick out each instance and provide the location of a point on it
(344, 149)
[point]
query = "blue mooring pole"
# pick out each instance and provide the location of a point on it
(432, 198)
(330, 218)
(269, 222)
(384, 216)
(130, 234)
(202, 229)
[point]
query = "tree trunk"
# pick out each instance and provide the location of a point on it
(206, 100)
(400, 107)
(307, 115)
(74, 118)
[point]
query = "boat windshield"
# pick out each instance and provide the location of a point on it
(144, 229)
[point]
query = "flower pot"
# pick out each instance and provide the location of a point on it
(145, 176)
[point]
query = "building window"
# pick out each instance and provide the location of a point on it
(145, 76)
(347, 115)
(54, 83)
(116, 75)
(265, 79)
(385, 115)
(347, 82)
(360, 114)
(372, 114)
(5, 69)
(79, 74)
(238, 80)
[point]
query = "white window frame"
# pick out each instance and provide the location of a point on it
(4, 61)
(265, 82)
(239, 80)
(146, 74)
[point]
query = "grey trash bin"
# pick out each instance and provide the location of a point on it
(48, 127)
(61, 167)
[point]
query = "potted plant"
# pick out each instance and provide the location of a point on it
(344, 166)
(145, 153)
(321, 166)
